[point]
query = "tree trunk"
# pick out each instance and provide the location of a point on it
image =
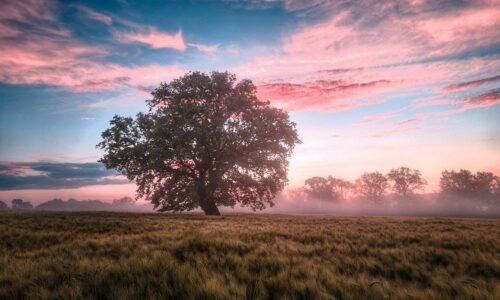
(210, 208)
(206, 203)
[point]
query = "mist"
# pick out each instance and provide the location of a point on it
(288, 202)
(422, 205)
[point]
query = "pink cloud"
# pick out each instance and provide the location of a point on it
(73, 65)
(52, 56)
(154, 38)
(404, 42)
(320, 94)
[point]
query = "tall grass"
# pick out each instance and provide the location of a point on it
(153, 256)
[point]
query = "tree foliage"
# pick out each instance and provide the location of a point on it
(372, 185)
(207, 141)
(406, 181)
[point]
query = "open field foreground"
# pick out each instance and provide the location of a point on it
(156, 256)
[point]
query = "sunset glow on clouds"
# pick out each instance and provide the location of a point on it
(371, 84)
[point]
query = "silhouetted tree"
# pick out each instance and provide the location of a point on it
(20, 204)
(372, 185)
(482, 185)
(3, 206)
(405, 181)
(207, 141)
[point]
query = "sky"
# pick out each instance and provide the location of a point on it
(372, 85)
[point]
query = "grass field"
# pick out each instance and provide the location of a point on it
(155, 256)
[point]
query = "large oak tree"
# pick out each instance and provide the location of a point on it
(207, 141)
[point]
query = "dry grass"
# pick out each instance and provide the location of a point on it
(153, 256)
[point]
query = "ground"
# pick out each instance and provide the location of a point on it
(247, 256)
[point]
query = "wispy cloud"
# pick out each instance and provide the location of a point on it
(94, 15)
(154, 38)
(204, 48)
(484, 99)
(380, 116)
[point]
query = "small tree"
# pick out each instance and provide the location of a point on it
(207, 141)
(372, 185)
(405, 181)
(318, 188)
(331, 188)
(20, 204)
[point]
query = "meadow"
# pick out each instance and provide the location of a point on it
(91, 255)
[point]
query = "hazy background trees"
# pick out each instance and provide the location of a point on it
(21, 204)
(122, 204)
(401, 191)
(3, 206)
(124, 201)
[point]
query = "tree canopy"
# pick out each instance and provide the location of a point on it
(207, 141)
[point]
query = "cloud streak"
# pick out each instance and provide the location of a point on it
(47, 175)
(471, 84)
(321, 94)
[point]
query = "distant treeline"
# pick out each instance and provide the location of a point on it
(122, 204)
(399, 192)
(404, 182)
